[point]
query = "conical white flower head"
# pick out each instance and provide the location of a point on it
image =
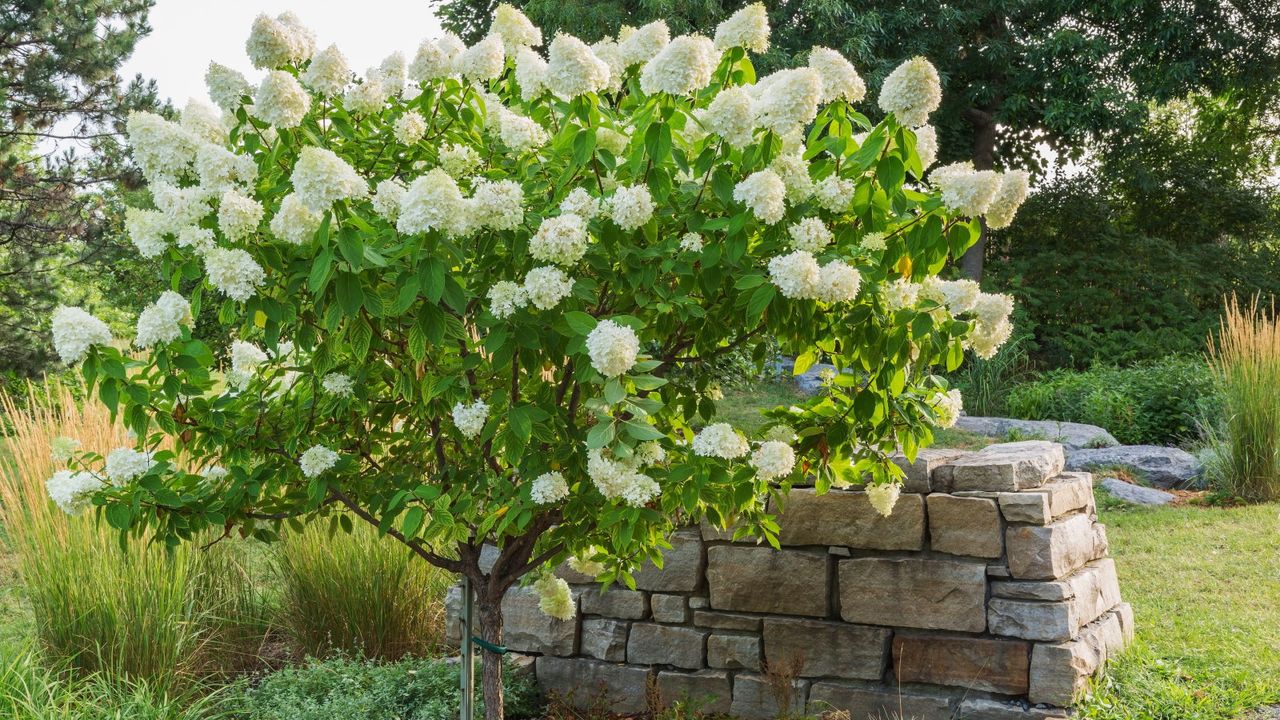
(927, 145)
(787, 99)
(720, 440)
(274, 42)
(965, 190)
(238, 215)
(281, 100)
(548, 488)
(574, 70)
(748, 28)
(316, 460)
(763, 192)
(514, 28)
(682, 67)
(387, 198)
(226, 86)
(294, 222)
(731, 116)
(1008, 198)
(554, 598)
(631, 206)
(75, 331)
(433, 202)
(837, 282)
(613, 348)
(911, 92)
(328, 73)
(773, 459)
(321, 178)
(546, 286)
(481, 62)
(203, 121)
(73, 492)
(840, 80)
(796, 275)
(531, 73)
(126, 464)
(233, 272)
(470, 419)
(884, 497)
(163, 150)
(162, 321)
(810, 235)
(643, 44)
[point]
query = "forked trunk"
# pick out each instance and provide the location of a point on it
(490, 616)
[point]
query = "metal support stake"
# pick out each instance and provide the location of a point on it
(466, 705)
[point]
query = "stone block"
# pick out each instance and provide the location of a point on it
(842, 517)
(1055, 550)
(698, 602)
(993, 665)
(990, 709)
(1066, 493)
(1033, 619)
(1124, 613)
(604, 639)
(919, 474)
(1060, 672)
(708, 691)
(914, 592)
(652, 644)
(734, 651)
(1008, 467)
(525, 628)
(583, 683)
(669, 608)
(681, 569)
(711, 533)
(726, 620)
(1054, 610)
(969, 526)
(616, 602)
(754, 699)
(863, 702)
(827, 649)
(761, 579)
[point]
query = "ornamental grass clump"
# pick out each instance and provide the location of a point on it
(525, 267)
(137, 611)
(1244, 448)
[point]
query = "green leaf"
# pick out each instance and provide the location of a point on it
(413, 521)
(119, 516)
(614, 392)
(580, 322)
(890, 173)
(521, 422)
(320, 268)
(350, 294)
(804, 361)
(352, 247)
(760, 300)
(432, 278)
(642, 430)
(602, 434)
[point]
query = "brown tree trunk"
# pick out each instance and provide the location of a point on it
(490, 610)
(984, 158)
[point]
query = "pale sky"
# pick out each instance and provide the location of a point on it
(186, 35)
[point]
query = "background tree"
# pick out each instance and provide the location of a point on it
(1017, 77)
(505, 343)
(62, 107)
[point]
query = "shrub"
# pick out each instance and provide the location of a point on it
(341, 688)
(133, 611)
(1157, 402)
(358, 594)
(985, 384)
(1244, 457)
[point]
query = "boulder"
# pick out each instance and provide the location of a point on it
(1136, 494)
(965, 526)
(605, 639)
(1007, 467)
(1164, 467)
(1071, 435)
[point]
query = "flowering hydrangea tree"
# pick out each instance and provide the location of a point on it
(472, 297)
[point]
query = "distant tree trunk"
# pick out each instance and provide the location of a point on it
(491, 631)
(984, 158)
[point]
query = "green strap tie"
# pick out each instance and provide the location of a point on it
(486, 645)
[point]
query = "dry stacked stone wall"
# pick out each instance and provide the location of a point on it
(987, 595)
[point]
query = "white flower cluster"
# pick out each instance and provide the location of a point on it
(163, 150)
(63, 448)
(581, 203)
(316, 460)
(515, 29)
(573, 69)
(409, 128)
(75, 331)
(73, 492)
(294, 222)
(531, 73)
(505, 297)
(279, 41)
(621, 479)
(991, 327)
(245, 359)
(339, 384)
(481, 62)
(147, 230)
(162, 321)
(691, 242)
(549, 487)
(720, 440)
(927, 145)
(226, 86)
(840, 80)
(911, 92)
(554, 598)
(765, 194)
(883, 497)
(947, 407)
(434, 58)
(458, 160)
(328, 73)
(834, 193)
(748, 28)
(773, 459)
(900, 294)
(434, 202)
(387, 197)
(731, 116)
(613, 348)
(561, 240)
(1007, 199)
(497, 204)
(631, 206)
(874, 242)
(470, 419)
(794, 171)
(682, 67)
(281, 101)
(798, 276)
(203, 121)
(810, 235)
(321, 178)
(126, 464)
(582, 563)
(787, 99)
(964, 189)
(233, 272)
(238, 215)
(546, 286)
(220, 169)
(638, 45)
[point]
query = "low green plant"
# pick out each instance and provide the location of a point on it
(343, 688)
(1244, 456)
(358, 595)
(1154, 403)
(986, 383)
(102, 607)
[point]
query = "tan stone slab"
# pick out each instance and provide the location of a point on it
(914, 592)
(1008, 467)
(827, 649)
(846, 518)
(989, 664)
(761, 579)
(1055, 550)
(967, 526)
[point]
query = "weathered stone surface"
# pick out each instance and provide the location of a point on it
(615, 602)
(583, 682)
(525, 628)
(867, 702)
(1164, 467)
(1055, 550)
(604, 639)
(842, 517)
(735, 651)
(681, 565)
(1054, 610)
(761, 579)
(669, 608)
(1008, 467)
(1124, 613)
(1066, 493)
(1070, 435)
(999, 666)
(968, 526)
(914, 592)
(827, 649)
(919, 474)
(698, 602)
(1060, 672)
(708, 690)
(989, 709)
(726, 620)
(753, 699)
(652, 644)
(1136, 494)
(1032, 619)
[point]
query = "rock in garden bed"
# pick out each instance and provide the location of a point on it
(1071, 435)
(1163, 467)
(1136, 494)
